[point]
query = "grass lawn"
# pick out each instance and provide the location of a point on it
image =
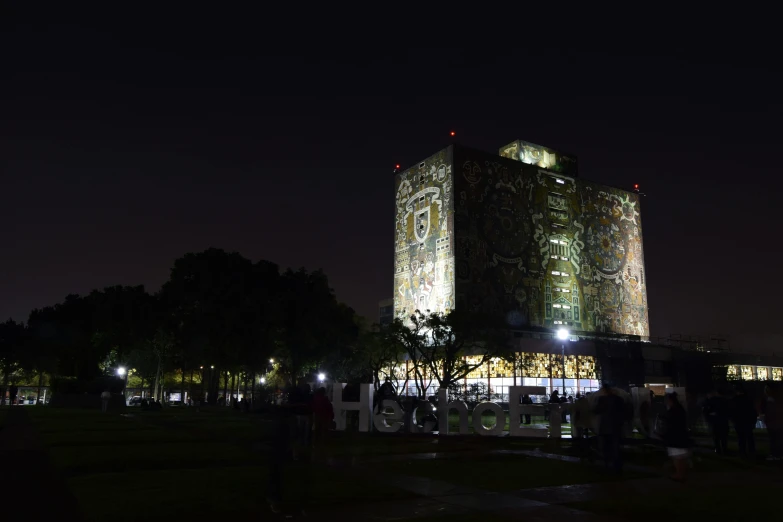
(178, 465)
(203, 494)
(502, 472)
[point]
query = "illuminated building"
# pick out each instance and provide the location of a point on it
(522, 236)
(519, 234)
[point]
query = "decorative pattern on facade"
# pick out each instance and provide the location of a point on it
(424, 257)
(507, 237)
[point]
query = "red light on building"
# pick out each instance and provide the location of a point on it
(396, 166)
(636, 186)
(453, 133)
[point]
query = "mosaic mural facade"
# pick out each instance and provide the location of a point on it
(544, 248)
(520, 235)
(424, 226)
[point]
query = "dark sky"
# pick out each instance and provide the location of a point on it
(121, 150)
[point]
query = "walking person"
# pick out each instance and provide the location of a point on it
(611, 413)
(105, 398)
(716, 413)
(323, 421)
(385, 392)
(772, 410)
(743, 415)
(554, 398)
(675, 436)
(279, 454)
(300, 402)
(580, 420)
(526, 400)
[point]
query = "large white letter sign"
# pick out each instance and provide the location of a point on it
(478, 426)
(381, 419)
(364, 406)
(515, 409)
(444, 407)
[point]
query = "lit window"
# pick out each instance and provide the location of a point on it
(563, 242)
(557, 306)
(566, 290)
(558, 322)
(563, 273)
(553, 257)
(557, 201)
(564, 258)
(566, 307)
(553, 241)
(560, 181)
(555, 272)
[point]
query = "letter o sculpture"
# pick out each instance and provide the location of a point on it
(500, 416)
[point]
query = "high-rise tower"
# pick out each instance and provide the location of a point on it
(519, 234)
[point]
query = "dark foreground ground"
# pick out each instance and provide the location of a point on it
(178, 464)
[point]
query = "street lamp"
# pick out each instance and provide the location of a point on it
(123, 373)
(262, 380)
(562, 334)
(321, 377)
(271, 361)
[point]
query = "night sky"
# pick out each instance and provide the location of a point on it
(120, 151)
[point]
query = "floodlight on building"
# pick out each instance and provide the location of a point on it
(562, 334)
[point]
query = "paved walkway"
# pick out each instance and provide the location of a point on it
(437, 497)
(546, 503)
(32, 488)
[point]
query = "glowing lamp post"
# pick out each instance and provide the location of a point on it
(321, 377)
(122, 372)
(562, 334)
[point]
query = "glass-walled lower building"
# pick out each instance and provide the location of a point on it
(490, 380)
(753, 373)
